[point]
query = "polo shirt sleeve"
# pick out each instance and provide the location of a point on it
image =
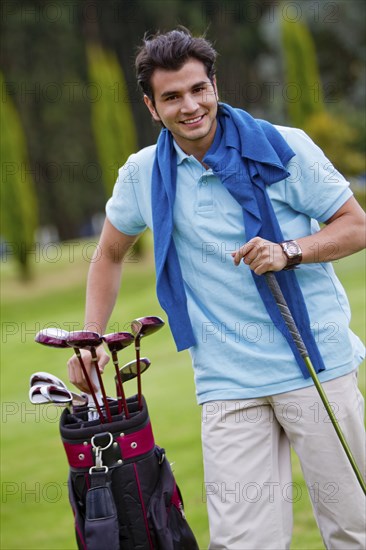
(122, 208)
(314, 187)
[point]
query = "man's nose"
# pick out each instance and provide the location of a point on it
(189, 104)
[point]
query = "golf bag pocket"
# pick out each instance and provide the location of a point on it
(101, 522)
(167, 521)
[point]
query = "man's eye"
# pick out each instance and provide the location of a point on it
(198, 90)
(171, 97)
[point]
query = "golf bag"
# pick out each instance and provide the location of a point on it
(121, 488)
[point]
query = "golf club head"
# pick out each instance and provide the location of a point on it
(118, 340)
(79, 399)
(57, 395)
(129, 371)
(143, 326)
(44, 378)
(84, 339)
(53, 337)
(36, 397)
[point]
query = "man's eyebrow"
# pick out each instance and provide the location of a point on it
(175, 92)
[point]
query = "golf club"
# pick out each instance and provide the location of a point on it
(40, 394)
(47, 379)
(143, 326)
(61, 396)
(86, 339)
(287, 317)
(57, 338)
(36, 397)
(56, 395)
(43, 378)
(129, 370)
(117, 341)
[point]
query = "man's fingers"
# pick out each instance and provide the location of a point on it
(247, 253)
(103, 359)
(260, 255)
(76, 375)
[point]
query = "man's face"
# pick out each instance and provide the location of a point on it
(186, 103)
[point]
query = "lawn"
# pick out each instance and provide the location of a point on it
(35, 511)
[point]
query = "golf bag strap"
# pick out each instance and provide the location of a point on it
(101, 521)
(98, 479)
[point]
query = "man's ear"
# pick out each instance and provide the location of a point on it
(149, 104)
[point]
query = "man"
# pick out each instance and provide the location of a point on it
(229, 198)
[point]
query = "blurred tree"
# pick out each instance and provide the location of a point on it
(112, 121)
(303, 84)
(338, 140)
(306, 109)
(43, 59)
(45, 70)
(19, 209)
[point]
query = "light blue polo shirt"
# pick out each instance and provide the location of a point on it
(239, 352)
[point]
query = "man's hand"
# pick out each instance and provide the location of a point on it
(76, 375)
(261, 256)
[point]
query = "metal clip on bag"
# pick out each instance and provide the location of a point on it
(121, 487)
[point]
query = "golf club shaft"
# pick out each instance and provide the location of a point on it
(287, 317)
(139, 392)
(90, 384)
(101, 384)
(121, 393)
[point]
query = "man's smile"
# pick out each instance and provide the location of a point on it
(193, 120)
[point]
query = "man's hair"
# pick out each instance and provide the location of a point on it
(170, 51)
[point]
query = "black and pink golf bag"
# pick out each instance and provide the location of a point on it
(121, 488)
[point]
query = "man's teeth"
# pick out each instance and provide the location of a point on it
(192, 120)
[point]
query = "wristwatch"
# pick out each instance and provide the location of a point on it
(293, 253)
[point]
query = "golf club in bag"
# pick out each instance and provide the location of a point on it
(121, 487)
(287, 317)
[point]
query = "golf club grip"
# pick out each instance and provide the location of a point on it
(285, 312)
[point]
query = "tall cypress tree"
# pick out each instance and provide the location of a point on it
(112, 120)
(303, 84)
(19, 209)
(307, 109)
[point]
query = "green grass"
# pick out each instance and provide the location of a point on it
(35, 511)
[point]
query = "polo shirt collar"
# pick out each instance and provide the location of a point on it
(181, 155)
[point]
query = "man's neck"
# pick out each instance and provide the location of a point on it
(197, 148)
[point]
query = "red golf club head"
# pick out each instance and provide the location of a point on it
(84, 339)
(53, 337)
(118, 340)
(143, 326)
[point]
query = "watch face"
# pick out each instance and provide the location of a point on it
(293, 253)
(292, 249)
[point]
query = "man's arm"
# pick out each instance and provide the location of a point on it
(103, 284)
(343, 234)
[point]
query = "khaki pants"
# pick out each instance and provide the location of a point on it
(248, 482)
